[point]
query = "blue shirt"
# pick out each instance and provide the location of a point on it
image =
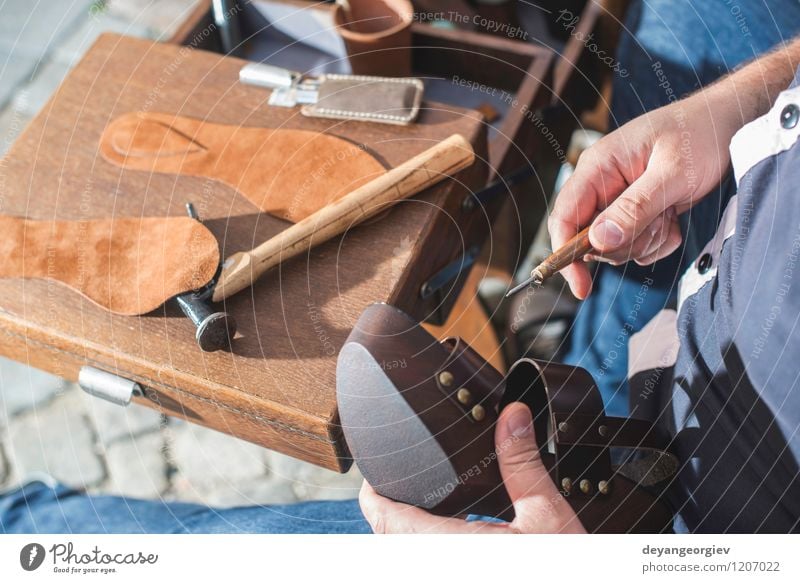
(731, 400)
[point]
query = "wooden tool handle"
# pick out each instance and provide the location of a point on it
(413, 176)
(573, 249)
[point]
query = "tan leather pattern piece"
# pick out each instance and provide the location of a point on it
(287, 173)
(129, 266)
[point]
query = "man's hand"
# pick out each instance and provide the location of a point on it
(538, 505)
(633, 183)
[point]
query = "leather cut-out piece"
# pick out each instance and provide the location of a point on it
(287, 173)
(128, 266)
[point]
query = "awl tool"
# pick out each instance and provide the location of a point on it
(571, 251)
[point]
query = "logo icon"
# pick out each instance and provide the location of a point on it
(31, 556)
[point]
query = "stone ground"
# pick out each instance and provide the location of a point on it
(50, 425)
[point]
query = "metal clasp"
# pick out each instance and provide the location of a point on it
(439, 280)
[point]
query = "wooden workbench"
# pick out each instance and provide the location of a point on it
(276, 388)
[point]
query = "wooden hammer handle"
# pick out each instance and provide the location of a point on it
(444, 159)
(570, 251)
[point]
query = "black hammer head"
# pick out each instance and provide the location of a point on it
(215, 330)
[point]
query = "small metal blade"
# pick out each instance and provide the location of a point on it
(534, 279)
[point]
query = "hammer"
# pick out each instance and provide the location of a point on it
(240, 270)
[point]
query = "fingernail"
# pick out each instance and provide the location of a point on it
(519, 423)
(608, 233)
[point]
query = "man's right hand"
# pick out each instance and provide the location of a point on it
(632, 184)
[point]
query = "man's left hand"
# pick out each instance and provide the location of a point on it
(539, 507)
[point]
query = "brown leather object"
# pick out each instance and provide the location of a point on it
(129, 266)
(367, 98)
(377, 34)
(418, 438)
(468, 320)
(287, 173)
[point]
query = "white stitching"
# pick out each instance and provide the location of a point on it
(349, 114)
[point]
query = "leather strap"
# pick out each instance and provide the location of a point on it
(393, 450)
(570, 420)
(483, 380)
(423, 432)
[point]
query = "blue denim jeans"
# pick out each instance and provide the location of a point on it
(49, 508)
(688, 43)
(41, 508)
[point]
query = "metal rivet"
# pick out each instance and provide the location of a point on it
(446, 378)
(468, 204)
(585, 486)
(464, 396)
(603, 487)
(602, 430)
(478, 413)
(566, 485)
(790, 116)
(562, 427)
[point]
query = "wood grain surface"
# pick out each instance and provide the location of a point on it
(276, 388)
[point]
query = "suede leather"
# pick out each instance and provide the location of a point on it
(287, 173)
(129, 266)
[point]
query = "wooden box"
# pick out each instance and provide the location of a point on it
(277, 386)
(545, 89)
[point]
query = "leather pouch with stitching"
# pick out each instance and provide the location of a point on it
(364, 98)
(419, 418)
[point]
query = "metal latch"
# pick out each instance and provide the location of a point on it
(497, 187)
(108, 386)
(440, 280)
(288, 87)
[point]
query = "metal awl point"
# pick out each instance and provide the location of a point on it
(535, 279)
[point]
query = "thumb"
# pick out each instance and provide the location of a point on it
(538, 505)
(518, 454)
(630, 213)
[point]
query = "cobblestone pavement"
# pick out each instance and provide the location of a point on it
(47, 424)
